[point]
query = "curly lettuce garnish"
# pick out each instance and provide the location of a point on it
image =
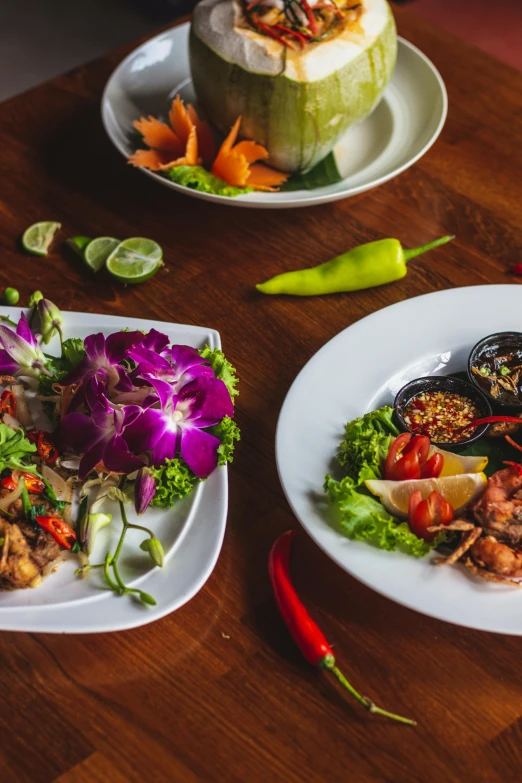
(223, 369)
(365, 445)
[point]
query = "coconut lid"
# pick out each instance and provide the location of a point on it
(220, 24)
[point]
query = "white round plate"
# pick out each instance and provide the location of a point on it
(359, 370)
(401, 129)
(192, 533)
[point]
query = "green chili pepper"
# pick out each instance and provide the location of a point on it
(366, 266)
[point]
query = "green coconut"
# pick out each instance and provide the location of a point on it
(297, 104)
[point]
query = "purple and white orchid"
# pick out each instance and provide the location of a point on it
(21, 353)
(177, 424)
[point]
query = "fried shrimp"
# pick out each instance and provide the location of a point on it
(498, 558)
(499, 510)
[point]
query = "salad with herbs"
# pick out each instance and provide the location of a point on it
(133, 419)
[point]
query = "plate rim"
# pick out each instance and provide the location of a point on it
(49, 618)
(242, 201)
(309, 528)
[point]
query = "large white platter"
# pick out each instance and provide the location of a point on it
(191, 532)
(402, 128)
(359, 370)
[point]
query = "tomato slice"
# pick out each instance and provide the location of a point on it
(432, 468)
(406, 468)
(419, 444)
(393, 452)
(422, 514)
(60, 530)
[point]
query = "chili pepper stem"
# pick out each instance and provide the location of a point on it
(328, 663)
(417, 251)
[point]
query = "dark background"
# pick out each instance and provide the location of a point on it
(40, 39)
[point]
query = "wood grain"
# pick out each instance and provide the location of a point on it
(217, 691)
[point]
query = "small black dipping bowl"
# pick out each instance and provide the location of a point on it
(443, 383)
(499, 344)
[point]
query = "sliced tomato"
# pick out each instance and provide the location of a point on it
(60, 530)
(423, 514)
(432, 468)
(407, 459)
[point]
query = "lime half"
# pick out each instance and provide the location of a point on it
(37, 238)
(78, 244)
(98, 250)
(135, 260)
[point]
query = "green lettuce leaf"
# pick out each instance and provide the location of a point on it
(222, 368)
(323, 174)
(198, 178)
(174, 480)
(15, 449)
(365, 445)
(363, 518)
(227, 431)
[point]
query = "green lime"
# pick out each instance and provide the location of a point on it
(37, 238)
(98, 251)
(78, 244)
(135, 260)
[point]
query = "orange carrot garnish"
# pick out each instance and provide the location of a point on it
(177, 144)
(236, 164)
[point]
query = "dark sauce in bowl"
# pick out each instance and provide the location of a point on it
(495, 367)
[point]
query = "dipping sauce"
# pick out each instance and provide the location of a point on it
(501, 376)
(440, 415)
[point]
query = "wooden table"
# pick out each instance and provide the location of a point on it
(217, 691)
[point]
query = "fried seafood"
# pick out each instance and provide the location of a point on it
(499, 510)
(25, 555)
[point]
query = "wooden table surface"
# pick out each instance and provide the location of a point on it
(217, 691)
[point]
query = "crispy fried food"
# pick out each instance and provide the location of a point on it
(466, 542)
(497, 557)
(499, 510)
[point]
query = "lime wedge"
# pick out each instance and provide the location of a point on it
(98, 250)
(37, 238)
(135, 260)
(78, 244)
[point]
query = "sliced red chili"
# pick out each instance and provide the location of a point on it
(493, 420)
(60, 530)
(33, 483)
(44, 445)
(515, 465)
(8, 403)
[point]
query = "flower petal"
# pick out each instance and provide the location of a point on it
(23, 330)
(118, 344)
(185, 357)
(7, 365)
(146, 430)
(91, 458)
(117, 457)
(155, 341)
(211, 400)
(166, 447)
(94, 346)
(76, 432)
(22, 352)
(199, 450)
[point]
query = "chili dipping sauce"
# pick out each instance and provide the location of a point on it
(440, 415)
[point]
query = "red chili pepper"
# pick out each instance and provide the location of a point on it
(422, 514)
(513, 443)
(514, 465)
(303, 40)
(267, 29)
(60, 530)
(492, 420)
(33, 483)
(310, 16)
(44, 445)
(8, 403)
(305, 632)
(517, 269)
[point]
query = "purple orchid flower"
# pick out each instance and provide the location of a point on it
(103, 357)
(180, 366)
(21, 354)
(144, 490)
(99, 437)
(179, 424)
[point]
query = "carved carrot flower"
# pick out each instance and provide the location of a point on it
(236, 164)
(185, 141)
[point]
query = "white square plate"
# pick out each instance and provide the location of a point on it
(191, 532)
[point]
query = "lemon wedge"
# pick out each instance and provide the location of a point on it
(455, 465)
(458, 490)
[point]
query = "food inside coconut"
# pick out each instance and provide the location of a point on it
(299, 74)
